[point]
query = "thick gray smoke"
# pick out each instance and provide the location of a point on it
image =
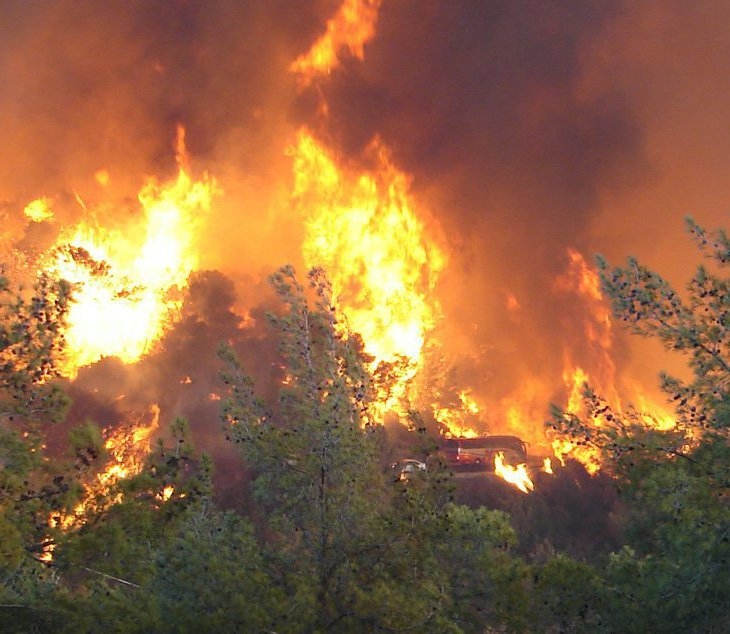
(529, 128)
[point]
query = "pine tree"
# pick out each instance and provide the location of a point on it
(355, 548)
(672, 573)
(313, 452)
(31, 324)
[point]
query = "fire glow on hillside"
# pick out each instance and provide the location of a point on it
(480, 339)
(126, 283)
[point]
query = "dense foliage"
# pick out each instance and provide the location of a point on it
(354, 549)
(672, 572)
(330, 538)
(30, 323)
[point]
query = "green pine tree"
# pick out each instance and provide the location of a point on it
(673, 571)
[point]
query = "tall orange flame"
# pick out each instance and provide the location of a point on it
(362, 228)
(349, 29)
(125, 283)
(583, 281)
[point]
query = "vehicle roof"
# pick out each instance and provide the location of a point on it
(490, 440)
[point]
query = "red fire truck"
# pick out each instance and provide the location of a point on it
(473, 451)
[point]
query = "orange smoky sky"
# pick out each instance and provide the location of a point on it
(528, 131)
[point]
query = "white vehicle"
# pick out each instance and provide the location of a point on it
(407, 467)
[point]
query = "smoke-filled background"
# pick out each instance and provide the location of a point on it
(530, 130)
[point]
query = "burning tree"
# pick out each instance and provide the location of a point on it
(52, 534)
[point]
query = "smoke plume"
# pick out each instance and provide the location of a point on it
(531, 130)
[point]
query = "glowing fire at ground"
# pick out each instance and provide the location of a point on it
(127, 448)
(125, 284)
(515, 475)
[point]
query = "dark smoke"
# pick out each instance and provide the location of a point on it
(529, 127)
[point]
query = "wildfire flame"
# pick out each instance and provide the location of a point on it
(166, 493)
(362, 228)
(46, 554)
(522, 411)
(127, 447)
(383, 257)
(39, 210)
(515, 475)
(454, 417)
(349, 29)
(125, 283)
(584, 282)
